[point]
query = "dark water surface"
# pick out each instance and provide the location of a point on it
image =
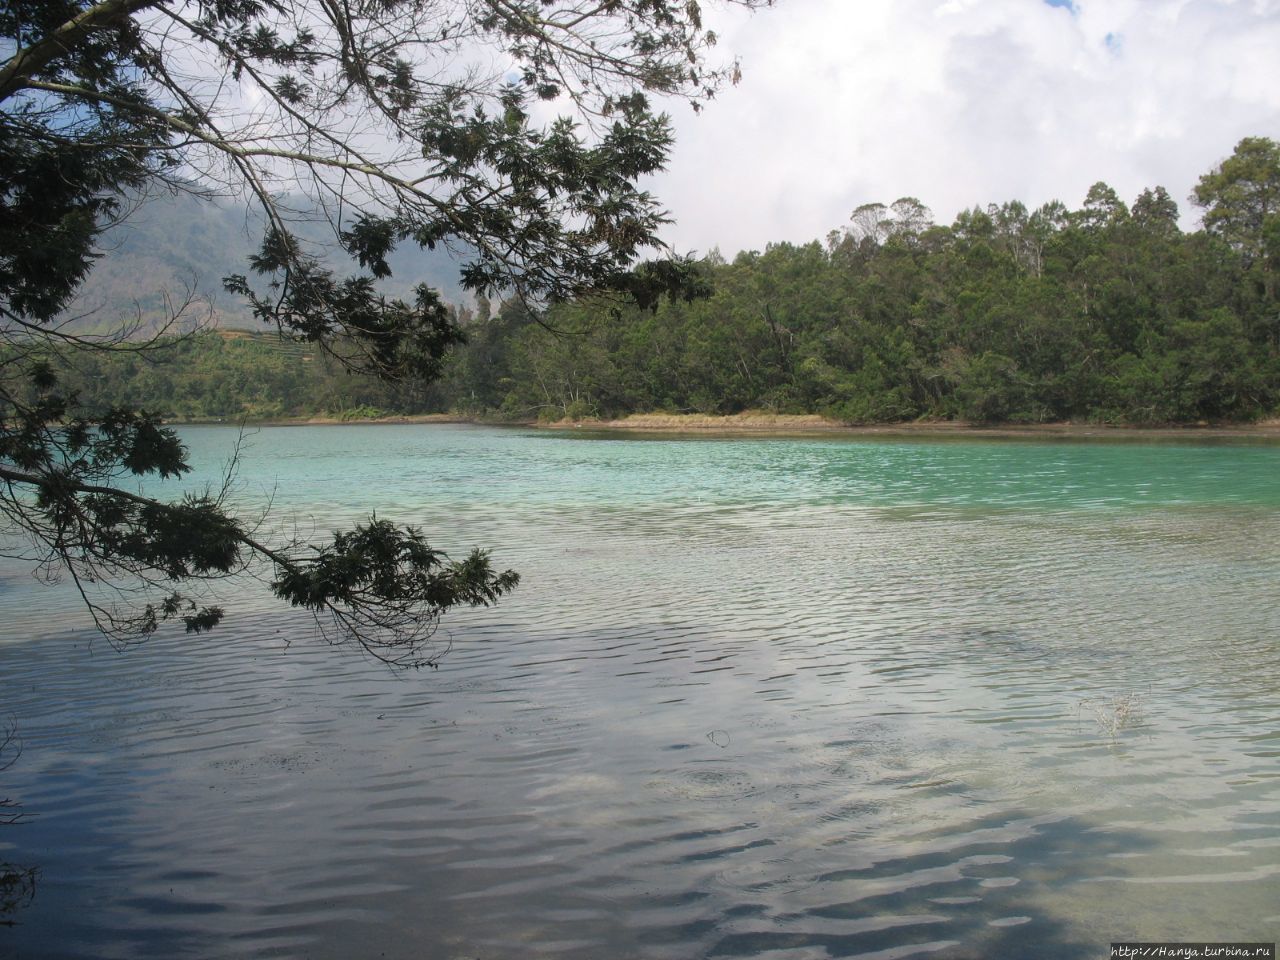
(789, 699)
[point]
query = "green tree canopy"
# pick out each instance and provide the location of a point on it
(1106, 313)
(1242, 194)
(1241, 201)
(403, 121)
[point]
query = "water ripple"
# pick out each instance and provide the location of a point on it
(793, 699)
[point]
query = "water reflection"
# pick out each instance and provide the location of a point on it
(703, 728)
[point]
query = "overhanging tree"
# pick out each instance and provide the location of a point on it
(512, 131)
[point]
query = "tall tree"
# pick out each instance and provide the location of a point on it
(870, 222)
(1102, 208)
(1241, 201)
(403, 121)
(910, 219)
(1155, 211)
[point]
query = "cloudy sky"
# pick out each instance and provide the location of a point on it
(963, 102)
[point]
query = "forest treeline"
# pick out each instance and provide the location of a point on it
(1107, 313)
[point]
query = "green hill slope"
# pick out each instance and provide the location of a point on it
(179, 246)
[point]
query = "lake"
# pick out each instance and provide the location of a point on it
(780, 698)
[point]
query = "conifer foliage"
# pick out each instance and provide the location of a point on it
(404, 121)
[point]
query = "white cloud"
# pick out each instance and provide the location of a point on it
(963, 102)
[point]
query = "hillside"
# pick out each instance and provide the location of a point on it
(178, 243)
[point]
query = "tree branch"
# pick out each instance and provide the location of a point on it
(63, 483)
(25, 63)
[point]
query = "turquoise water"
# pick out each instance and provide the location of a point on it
(782, 698)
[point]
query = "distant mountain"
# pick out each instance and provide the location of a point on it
(175, 244)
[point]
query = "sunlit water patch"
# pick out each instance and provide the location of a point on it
(788, 699)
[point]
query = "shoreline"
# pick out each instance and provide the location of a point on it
(756, 423)
(769, 424)
(323, 421)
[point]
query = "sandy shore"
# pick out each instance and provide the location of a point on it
(760, 423)
(402, 418)
(321, 421)
(756, 422)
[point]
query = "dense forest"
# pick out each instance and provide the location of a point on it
(1107, 313)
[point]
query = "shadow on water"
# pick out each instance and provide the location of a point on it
(221, 804)
(944, 906)
(608, 794)
(17, 883)
(17, 890)
(993, 897)
(987, 899)
(528, 877)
